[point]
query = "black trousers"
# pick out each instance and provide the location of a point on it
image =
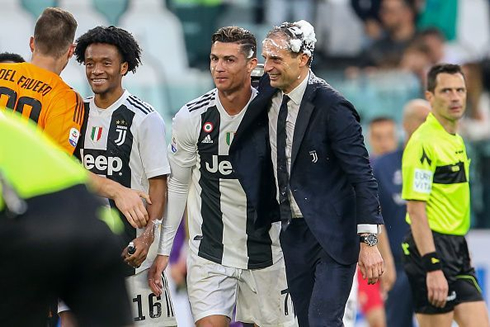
(319, 286)
(59, 248)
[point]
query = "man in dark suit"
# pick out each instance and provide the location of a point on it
(303, 136)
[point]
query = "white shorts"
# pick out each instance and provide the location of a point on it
(260, 295)
(147, 308)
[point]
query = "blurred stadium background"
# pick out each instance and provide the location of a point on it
(175, 38)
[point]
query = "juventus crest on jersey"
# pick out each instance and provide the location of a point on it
(126, 143)
(220, 219)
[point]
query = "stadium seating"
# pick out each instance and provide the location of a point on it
(111, 9)
(36, 7)
(15, 28)
(163, 45)
(85, 14)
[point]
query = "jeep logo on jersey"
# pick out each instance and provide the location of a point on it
(122, 131)
(98, 163)
(217, 164)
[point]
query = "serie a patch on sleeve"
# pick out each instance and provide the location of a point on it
(173, 145)
(422, 181)
(74, 136)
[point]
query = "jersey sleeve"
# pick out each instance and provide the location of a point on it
(183, 146)
(63, 120)
(153, 146)
(418, 167)
(182, 155)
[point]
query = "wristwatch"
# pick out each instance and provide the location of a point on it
(369, 239)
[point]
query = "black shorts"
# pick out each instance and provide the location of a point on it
(456, 265)
(59, 248)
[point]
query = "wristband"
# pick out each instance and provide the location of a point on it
(431, 262)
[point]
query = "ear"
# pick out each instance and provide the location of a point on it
(31, 43)
(429, 96)
(252, 63)
(71, 50)
(124, 68)
(303, 59)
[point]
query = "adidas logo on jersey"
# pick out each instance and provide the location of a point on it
(207, 140)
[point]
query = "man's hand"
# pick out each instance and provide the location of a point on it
(437, 288)
(68, 319)
(389, 277)
(178, 270)
(130, 203)
(142, 245)
(155, 274)
(370, 263)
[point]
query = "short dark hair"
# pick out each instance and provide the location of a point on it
(54, 32)
(440, 69)
(10, 57)
(123, 40)
(239, 35)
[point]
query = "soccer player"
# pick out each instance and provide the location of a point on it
(231, 262)
(435, 169)
(52, 236)
(123, 139)
(36, 90)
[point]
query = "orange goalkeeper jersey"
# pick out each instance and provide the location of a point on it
(45, 98)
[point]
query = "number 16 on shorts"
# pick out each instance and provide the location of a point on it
(149, 309)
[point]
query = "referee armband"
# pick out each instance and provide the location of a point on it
(431, 262)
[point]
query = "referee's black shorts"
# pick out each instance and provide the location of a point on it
(456, 265)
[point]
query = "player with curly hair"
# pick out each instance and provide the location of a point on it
(123, 139)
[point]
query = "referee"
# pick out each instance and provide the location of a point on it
(435, 170)
(53, 244)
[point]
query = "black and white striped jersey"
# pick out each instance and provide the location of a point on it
(220, 219)
(126, 143)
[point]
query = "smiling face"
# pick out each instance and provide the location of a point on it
(448, 100)
(229, 67)
(104, 69)
(285, 69)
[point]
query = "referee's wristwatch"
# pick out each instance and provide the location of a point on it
(369, 239)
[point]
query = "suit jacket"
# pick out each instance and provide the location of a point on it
(331, 178)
